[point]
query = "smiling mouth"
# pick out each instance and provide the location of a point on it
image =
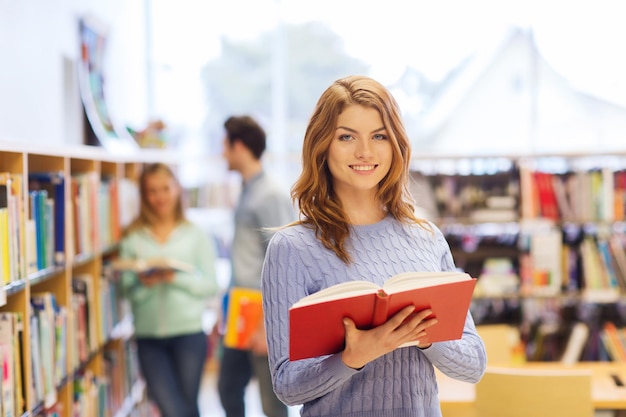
(363, 167)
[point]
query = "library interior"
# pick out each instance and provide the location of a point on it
(517, 120)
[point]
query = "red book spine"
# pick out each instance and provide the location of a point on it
(381, 306)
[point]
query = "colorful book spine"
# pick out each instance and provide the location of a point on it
(54, 184)
(46, 309)
(7, 233)
(11, 383)
(38, 210)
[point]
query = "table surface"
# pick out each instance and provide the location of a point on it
(608, 384)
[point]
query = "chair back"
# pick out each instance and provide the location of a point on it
(519, 392)
(500, 341)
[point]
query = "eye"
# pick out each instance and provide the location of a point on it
(379, 136)
(345, 137)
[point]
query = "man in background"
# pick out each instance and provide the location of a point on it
(261, 205)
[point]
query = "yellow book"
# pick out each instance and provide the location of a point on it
(5, 193)
(244, 313)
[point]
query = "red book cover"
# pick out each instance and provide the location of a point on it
(547, 199)
(620, 196)
(316, 322)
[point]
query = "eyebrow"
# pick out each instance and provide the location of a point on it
(352, 130)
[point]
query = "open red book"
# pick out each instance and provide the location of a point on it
(316, 321)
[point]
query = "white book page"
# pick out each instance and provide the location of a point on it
(398, 283)
(412, 280)
(338, 291)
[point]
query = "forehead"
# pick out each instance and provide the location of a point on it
(158, 177)
(360, 117)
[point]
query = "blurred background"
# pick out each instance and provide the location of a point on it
(477, 77)
(481, 84)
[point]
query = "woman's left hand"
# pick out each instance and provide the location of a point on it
(363, 346)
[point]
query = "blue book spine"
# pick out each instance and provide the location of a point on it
(37, 216)
(54, 184)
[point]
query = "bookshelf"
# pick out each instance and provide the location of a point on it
(65, 338)
(545, 235)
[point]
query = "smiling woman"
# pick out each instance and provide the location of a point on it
(357, 222)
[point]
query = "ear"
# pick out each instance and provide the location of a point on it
(237, 145)
(240, 148)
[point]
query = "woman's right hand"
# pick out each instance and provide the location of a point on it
(148, 279)
(156, 276)
(363, 346)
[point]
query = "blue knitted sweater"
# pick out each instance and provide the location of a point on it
(399, 384)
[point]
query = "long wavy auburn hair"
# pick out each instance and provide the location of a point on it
(146, 216)
(313, 193)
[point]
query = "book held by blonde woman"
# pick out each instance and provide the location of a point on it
(150, 265)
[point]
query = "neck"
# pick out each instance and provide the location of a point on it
(251, 169)
(361, 217)
(363, 210)
(163, 229)
(166, 221)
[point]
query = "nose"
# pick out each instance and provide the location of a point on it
(363, 149)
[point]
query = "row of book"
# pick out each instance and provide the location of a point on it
(478, 198)
(125, 389)
(33, 229)
(561, 228)
(597, 195)
(536, 258)
(98, 396)
(52, 352)
(594, 195)
(561, 330)
(91, 395)
(574, 260)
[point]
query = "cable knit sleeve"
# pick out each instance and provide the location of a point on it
(283, 284)
(463, 359)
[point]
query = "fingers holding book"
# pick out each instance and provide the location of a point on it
(405, 327)
(415, 326)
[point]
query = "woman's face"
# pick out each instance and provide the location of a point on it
(162, 194)
(360, 153)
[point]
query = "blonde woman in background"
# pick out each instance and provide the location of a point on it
(168, 305)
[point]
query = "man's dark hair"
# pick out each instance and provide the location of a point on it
(246, 130)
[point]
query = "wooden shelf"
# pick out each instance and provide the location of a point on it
(57, 280)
